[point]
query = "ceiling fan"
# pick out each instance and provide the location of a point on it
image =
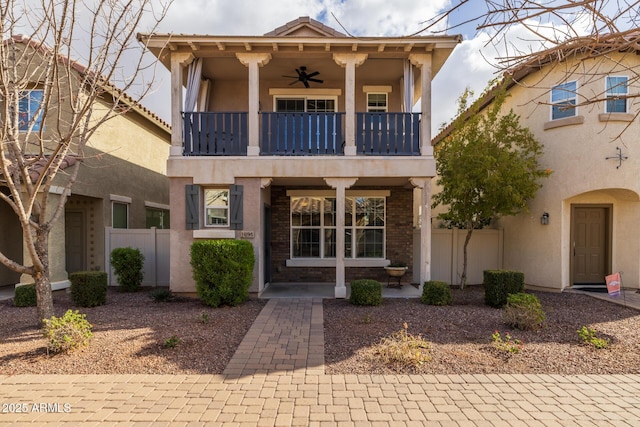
(304, 77)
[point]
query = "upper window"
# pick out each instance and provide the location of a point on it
(120, 215)
(305, 105)
(216, 208)
(617, 92)
(377, 102)
(29, 105)
(563, 100)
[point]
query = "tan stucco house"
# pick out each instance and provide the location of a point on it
(583, 222)
(121, 183)
(303, 141)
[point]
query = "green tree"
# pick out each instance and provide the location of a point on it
(487, 167)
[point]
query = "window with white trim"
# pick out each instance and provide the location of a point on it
(28, 107)
(313, 227)
(305, 105)
(216, 207)
(119, 215)
(377, 102)
(617, 90)
(564, 100)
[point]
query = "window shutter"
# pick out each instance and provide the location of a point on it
(192, 204)
(235, 204)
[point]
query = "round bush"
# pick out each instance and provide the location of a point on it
(25, 296)
(222, 270)
(523, 311)
(435, 292)
(366, 292)
(88, 288)
(127, 263)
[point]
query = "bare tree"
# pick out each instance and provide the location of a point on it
(43, 137)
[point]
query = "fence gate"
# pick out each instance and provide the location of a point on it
(154, 245)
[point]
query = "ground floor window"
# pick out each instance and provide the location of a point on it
(120, 215)
(313, 227)
(158, 218)
(216, 208)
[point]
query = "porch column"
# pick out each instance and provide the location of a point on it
(178, 62)
(253, 61)
(340, 184)
(349, 61)
(423, 62)
(425, 228)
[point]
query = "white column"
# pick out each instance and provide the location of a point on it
(178, 62)
(254, 61)
(340, 184)
(349, 61)
(425, 228)
(423, 62)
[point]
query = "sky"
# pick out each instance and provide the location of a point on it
(468, 66)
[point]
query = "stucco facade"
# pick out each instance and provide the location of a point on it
(588, 177)
(312, 133)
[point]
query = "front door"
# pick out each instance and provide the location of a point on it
(74, 239)
(590, 244)
(267, 244)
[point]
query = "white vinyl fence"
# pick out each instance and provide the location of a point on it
(154, 245)
(484, 253)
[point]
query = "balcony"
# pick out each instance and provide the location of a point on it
(301, 134)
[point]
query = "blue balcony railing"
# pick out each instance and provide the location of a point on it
(302, 134)
(388, 134)
(215, 134)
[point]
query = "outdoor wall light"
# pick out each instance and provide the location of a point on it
(544, 219)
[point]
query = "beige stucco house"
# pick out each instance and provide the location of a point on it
(583, 222)
(121, 183)
(303, 141)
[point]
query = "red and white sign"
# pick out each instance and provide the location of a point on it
(613, 284)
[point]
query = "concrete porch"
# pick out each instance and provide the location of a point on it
(327, 290)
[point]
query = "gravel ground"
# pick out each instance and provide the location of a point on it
(461, 343)
(130, 331)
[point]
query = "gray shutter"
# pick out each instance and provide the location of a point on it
(192, 193)
(235, 205)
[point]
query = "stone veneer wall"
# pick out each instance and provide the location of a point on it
(399, 236)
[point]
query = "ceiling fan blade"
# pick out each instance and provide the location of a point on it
(306, 84)
(291, 77)
(315, 73)
(316, 80)
(293, 82)
(300, 72)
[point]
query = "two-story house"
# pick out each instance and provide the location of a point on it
(303, 141)
(121, 182)
(582, 103)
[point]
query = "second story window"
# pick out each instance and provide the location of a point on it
(29, 105)
(617, 92)
(376, 102)
(563, 100)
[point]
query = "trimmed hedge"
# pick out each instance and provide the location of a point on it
(127, 263)
(222, 270)
(366, 292)
(498, 284)
(435, 292)
(25, 296)
(88, 288)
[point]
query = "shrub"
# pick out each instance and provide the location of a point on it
(366, 292)
(172, 341)
(588, 335)
(25, 296)
(222, 270)
(161, 294)
(88, 288)
(523, 311)
(127, 263)
(500, 283)
(65, 333)
(403, 349)
(435, 292)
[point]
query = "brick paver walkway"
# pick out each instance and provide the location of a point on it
(276, 378)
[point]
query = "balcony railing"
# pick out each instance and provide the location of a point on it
(301, 134)
(388, 134)
(215, 134)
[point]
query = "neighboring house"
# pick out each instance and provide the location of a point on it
(122, 183)
(583, 222)
(304, 142)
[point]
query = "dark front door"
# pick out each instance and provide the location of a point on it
(74, 240)
(590, 245)
(267, 244)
